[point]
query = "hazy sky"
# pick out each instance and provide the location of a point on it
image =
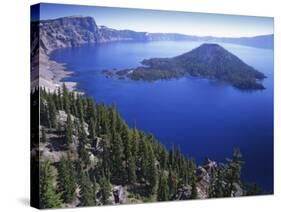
(163, 21)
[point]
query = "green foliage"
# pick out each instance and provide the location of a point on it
(124, 156)
(172, 182)
(194, 193)
(217, 188)
(233, 171)
(105, 189)
(152, 173)
(163, 188)
(65, 98)
(49, 198)
(94, 188)
(66, 179)
(208, 60)
(87, 197)
(52, 111)
(83, 141)
(68, 130)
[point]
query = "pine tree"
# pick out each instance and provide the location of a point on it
(83, 140)
(117, 168)
(172, 182)
(193, 191)
(163, 159)
(49, 198)
(65, 97)
(68, 130)
(152, 175)
(60, 102)
(92, 129)
(105, 165)
(131, 169)
(94, 188)
(172, 156)
(66, 179)
(233, 171)
(105, 190)
(80, 108)
(73, 106)
(86, 191)
(163, 188)
(142, 159)
(129, 159)
(52, 111)
(216, 187)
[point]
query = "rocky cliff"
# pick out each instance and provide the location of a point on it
(76, 30)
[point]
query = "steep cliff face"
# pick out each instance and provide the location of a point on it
(68, 32)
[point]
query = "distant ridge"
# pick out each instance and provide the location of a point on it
(76, 30)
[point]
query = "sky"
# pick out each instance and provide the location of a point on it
(200, 24)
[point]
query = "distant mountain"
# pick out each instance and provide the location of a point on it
(76, 30)
(262, 41)
(208, 60)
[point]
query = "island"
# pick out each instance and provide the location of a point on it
(209, 60)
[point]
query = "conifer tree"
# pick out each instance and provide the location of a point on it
(66, 179)
(131, 169)
(52, 113)
(193, 190)
(152, 175)
(216, 187)
(163, 188)
(233, 171)
(49, 198)
(163, 159)
(80, 108)
(105, 156)
(73, 106)
(92, 128)
(68, 130)
(172, 156)
(143, 159)
(83, 153)
(65, 97)
(172, 182)
(105, 190)
(60, 102)
(94, 188)
(129, 159)
(86, 191)
(117, 170)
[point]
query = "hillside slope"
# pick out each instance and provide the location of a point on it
(208, 60)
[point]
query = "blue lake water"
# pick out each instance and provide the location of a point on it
(206, 118)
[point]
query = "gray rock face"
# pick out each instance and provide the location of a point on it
(68, 32)
(183, 193)
(238, 191)
(204, 177)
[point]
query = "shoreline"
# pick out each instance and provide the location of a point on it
(52, 73)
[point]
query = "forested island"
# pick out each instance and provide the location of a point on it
(89, 156)
(210, 61)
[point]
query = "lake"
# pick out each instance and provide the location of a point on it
(206, 118)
